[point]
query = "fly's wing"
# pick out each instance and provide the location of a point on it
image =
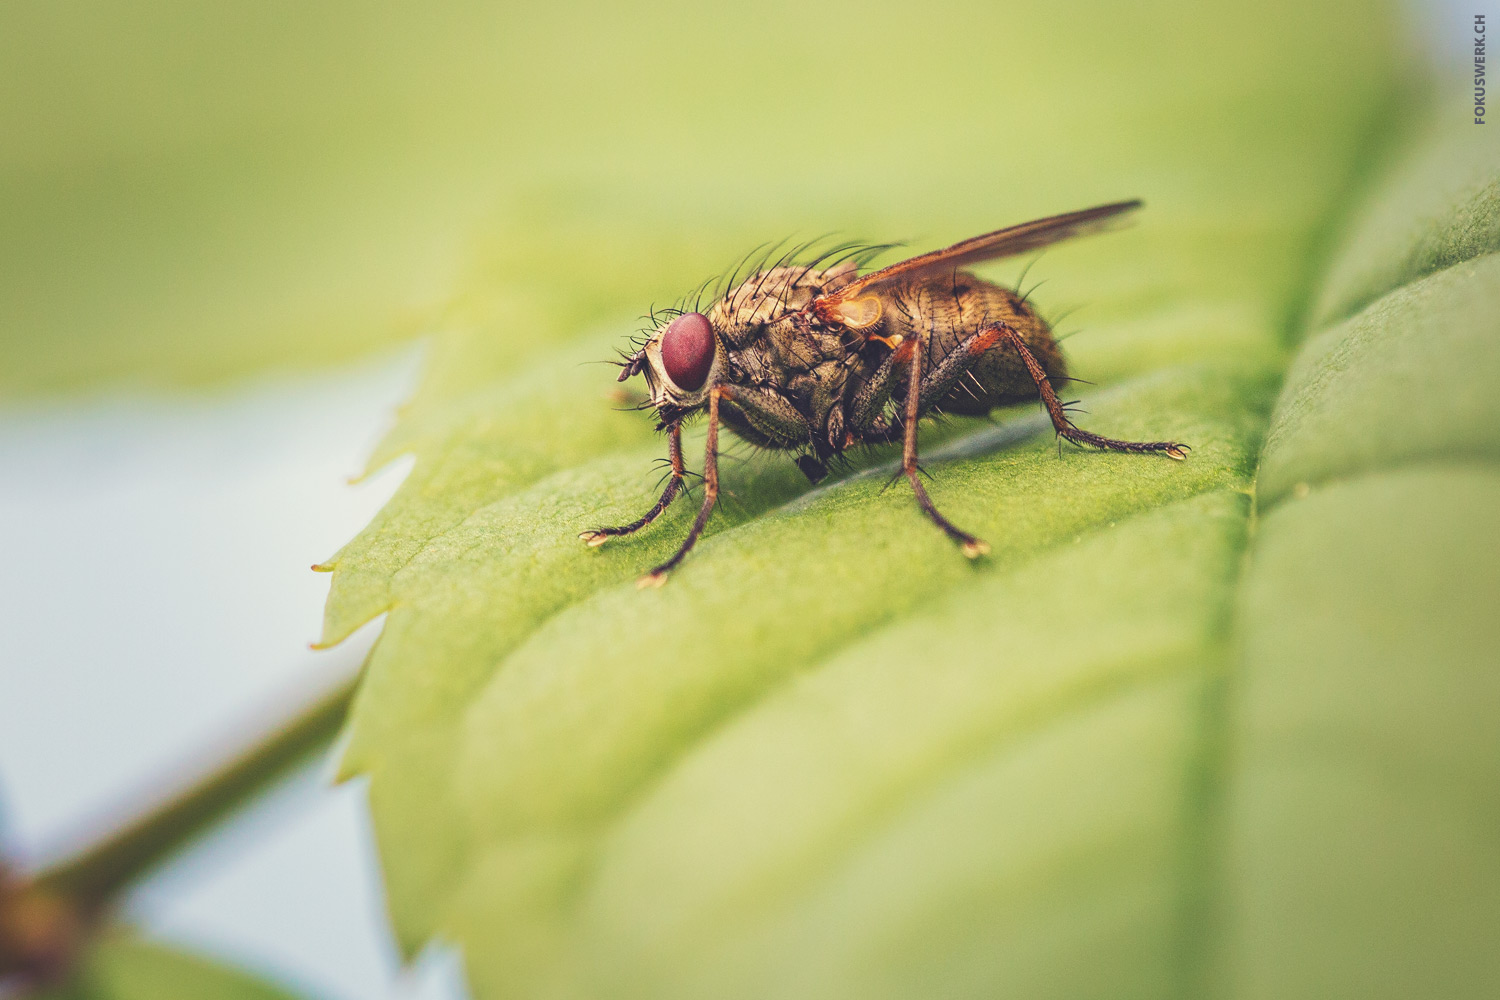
(856, 306)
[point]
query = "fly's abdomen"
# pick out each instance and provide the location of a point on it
(951, 311)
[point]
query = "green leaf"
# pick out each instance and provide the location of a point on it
(1440, 207)
(122, 966)
(1360, 855)
(1408, 379)
(1137, 752)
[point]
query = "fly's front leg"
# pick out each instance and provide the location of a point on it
(869, 402)
(769, 412)
(658, 576)
(772, 415)
(598, 536)
(1060, 421)
(971, 546)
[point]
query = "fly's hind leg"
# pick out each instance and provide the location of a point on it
(925, 391)
(1060, 421)
(598, 536)
(971, 546)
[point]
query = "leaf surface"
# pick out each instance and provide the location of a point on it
(831, 758)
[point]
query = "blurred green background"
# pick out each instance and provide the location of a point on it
(191, 192)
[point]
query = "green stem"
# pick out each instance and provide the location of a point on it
(95, 875)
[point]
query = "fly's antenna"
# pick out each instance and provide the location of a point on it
(631, 365)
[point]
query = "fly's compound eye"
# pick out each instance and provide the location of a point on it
(687, 350)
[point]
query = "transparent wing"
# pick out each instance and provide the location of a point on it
(1001, 243)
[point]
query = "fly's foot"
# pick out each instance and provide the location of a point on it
(653, 579)
(970, 545)
(1171, 449)
(1059, 413)
(596, 537)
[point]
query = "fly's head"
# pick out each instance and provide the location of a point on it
(685, 356)
(681, 360)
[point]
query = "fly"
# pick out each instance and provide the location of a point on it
(815, 359)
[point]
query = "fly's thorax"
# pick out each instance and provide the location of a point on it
(759, 337)
(800, 344)
(753, 364)
(745, 312)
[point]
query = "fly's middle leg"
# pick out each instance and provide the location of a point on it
(970, 545)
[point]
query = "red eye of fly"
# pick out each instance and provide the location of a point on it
(687, 350)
